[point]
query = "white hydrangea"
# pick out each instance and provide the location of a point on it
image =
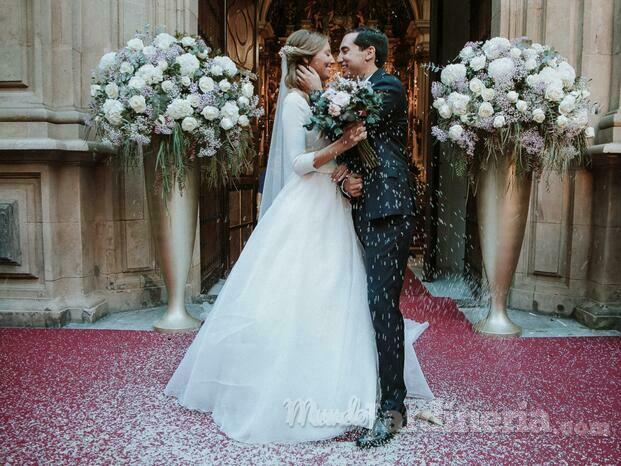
(188, 64)
(226, 124)
(179, 108)
(149, 51)
(567, 73)
(188, 41)
(466, 53)
(439, 102)
(499, 121)
(458, 102)
(453, 73)
(230, 110)
(530, 64)
(162, 65)
(496, 47)
(501, 68)
(210, 113)
(476, 86)
(243, 101)
(550, 76)
(455, 132)
(215, 70)
(206, 84)
(138, 104)
(582, 118)
(112, 111)
(164, 41)
(488, 94)
(554, 93)
(135, 44)
(478, 62)
(567, 105)
(539, 115)
(189, 124)
(537, 48)
(227, 65)
(107, 61)
(248, 90)
(112, 90)
(486, 110)
(151, 74)
(516, 52)
(243, 121)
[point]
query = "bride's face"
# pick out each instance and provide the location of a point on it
(322, 62)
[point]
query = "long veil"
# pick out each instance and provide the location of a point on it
(279, 167)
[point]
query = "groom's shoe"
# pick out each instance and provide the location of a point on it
(387, 423)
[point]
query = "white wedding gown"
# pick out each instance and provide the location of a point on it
(292, 321)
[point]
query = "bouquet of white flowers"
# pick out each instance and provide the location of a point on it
(517, 95)
(170, 89)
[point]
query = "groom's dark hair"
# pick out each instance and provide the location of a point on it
(368, 37)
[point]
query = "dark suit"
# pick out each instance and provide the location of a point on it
(383, 217)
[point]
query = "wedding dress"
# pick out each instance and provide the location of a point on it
(292, 322)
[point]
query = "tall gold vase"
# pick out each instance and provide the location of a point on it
(173, 228)
(502, 207)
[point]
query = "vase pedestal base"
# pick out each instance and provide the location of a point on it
(497, 324)
(177, 320)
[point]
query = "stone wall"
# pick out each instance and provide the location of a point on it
(74, 241)
(570, 261)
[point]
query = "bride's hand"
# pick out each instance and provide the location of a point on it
(353, 134)
(307, 79)
(340, 173)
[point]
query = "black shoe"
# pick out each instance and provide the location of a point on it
(386, 424)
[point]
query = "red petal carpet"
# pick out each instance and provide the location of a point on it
(95, 397)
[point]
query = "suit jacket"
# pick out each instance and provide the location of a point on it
(387, 189)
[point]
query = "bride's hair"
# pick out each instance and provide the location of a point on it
(300, 48)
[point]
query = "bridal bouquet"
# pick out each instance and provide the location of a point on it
(168, 90)
(516, 95)
(346, 101)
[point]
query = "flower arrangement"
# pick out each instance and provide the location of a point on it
(347, 101)
(500, 94)
(166, 92)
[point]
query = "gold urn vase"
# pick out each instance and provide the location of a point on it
(173, 228)
(502, 202)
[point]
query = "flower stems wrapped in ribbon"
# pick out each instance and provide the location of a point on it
(347, 101)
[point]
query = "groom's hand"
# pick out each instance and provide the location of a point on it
(353, 185)
(307, 79)
(340, 173)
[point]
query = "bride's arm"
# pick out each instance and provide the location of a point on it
(295, 116)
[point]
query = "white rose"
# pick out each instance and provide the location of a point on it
(243, 120)
(438, 103)
(179, 108)
(532, 80)
(126, 67)
(495, 47)
(164, 41)
(112, 111)
(149, 51)
(215, 70)
(567, 105)
(151, 74)
(589, 132)
(554, 93)
(188, 64)
(206, 84)
(243, 101)
(230, 110)
(562, 121)
(512, 96)
(529, 54)
(539, 115)
(136, 82)
(445, 111)
(194, 100)
(537, 47)
(501, 69)
(210, 113)
(334, 109)
(499, 121)
(476, 86)
(188, 41)
(486, 110)
(226, 124)
(521, 105)
(455, 132)
(453, 73)
(95, 88)
(488, 94)
(248, 90)
(138, 104)
(227, 65)
(186, 81)
(107, 61)
(224, 85)
(341, 99)
(135, 44)
(458, 102)
(466, 53)
(167, 85)
(550, 76)
(516, 52)
(112, 90)
(530, 64)
(162, 65)
(478, 63)
(567, 73)
(189, 124)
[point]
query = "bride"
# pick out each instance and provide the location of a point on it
(288, 354)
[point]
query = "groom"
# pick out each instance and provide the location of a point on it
(382, 205)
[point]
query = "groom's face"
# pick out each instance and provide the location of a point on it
(354, 61)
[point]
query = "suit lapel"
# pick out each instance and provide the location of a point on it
(375, 77)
